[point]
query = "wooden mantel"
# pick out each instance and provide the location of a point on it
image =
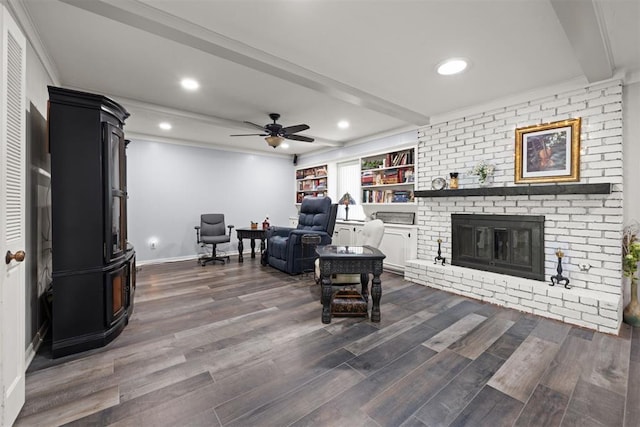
(521, 190)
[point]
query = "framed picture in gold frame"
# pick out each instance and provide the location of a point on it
(548, 152)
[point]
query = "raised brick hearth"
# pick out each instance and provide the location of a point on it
(587, 227)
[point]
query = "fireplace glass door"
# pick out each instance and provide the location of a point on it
(506, 244)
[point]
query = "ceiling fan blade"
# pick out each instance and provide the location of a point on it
(294, 129)
(299, 138)
(251, 134)
(255, 125)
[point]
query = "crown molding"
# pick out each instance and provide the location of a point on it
(574, 84)
(21, 13)
(133, 136)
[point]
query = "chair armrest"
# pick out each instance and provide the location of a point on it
(197, 228)
(230, 227)
(279, 231)
(296, 234)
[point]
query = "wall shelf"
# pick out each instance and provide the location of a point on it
(388, 177)
(525, 190)
(311, 182)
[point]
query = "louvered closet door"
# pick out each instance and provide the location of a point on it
(12, 223)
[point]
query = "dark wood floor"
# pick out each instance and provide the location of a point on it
(243, 345)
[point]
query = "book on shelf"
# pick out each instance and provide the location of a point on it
(400, 197)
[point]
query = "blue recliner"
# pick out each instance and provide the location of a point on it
(284, 246)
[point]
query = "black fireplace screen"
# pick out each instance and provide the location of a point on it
(508, 244)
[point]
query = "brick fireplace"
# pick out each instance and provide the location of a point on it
(587, 225)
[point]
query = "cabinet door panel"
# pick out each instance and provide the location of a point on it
(342, 235)
(116, 288)
(399, 245)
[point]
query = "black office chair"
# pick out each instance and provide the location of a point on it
(211, 231)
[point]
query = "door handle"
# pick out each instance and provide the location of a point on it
(18, 256)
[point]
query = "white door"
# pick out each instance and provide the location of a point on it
(12, 223)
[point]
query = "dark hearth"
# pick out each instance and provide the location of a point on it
(507, 244)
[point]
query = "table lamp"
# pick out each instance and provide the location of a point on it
(347, 200)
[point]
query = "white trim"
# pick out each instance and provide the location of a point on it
(233, 253)
(31, 351)
(26, 24)
(384, 134)
(523, 97)
(133, 136)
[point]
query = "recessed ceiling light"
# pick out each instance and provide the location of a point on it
(284, 145)
(189, 84)
(452, 66)
(343, 124)
(165, 126)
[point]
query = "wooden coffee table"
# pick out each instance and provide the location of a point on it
(345, 260)
(253, 234)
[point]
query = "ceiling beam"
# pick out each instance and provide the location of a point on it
(202, 118)
(585, 28)
(144, 17)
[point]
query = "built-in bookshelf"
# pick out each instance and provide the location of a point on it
(388, 177)
(311, 182)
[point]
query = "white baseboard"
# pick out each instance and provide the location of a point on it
(232, 254)
(31, 351)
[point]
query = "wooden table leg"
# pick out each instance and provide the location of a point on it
(240, 248)
(326, 298)
(376, 294)
(253, 248)
(364, 281)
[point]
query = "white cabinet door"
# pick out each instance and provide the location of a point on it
(399, 244)
(343, 235)
(12, 221)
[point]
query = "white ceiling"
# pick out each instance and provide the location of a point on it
(320, 61)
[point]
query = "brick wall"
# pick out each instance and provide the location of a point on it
(588, 228)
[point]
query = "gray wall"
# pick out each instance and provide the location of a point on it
(170, 185)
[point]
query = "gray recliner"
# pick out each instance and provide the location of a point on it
(211, 231)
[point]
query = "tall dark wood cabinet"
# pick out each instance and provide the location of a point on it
(93, 265)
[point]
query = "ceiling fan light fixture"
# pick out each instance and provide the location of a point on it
(452, 66)
(274, 141)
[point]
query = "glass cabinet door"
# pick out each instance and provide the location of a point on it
(116, 239)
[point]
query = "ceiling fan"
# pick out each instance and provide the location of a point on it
(275, 133)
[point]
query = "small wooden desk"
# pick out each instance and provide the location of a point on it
(253, 234)
(350, 259)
